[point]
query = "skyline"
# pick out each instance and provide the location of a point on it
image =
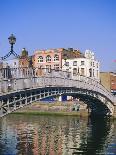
(43, 24)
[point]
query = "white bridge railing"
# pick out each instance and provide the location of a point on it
(15, 79)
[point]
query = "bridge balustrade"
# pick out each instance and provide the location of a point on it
(13, 79)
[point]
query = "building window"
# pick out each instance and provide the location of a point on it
(93, 64)
(74, 71)
(93, 73)
(74, 63)
(48, 68)
(41, 66)
(40, 59)
(56, 57)
(82, 62)
(66, 63)
(97, 74)
(97, 65)
(14, 63)
(56, 66)
(82, 71)
(90, 72)
(67, 70)
(48, 58)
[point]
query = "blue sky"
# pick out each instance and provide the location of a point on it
(42, 24)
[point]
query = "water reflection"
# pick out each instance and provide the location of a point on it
(51, 135)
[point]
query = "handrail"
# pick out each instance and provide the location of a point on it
(12, 75)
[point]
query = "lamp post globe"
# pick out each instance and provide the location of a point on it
(12, 39)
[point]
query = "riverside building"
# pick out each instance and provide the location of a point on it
(108, 80)
(49, 59)
(52, 58)
(82, 65)
(45, 60)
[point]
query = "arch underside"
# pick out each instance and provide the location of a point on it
(95, 105)
(95, 101)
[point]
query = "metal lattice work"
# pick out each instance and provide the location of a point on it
(22, 86)
(8, 55)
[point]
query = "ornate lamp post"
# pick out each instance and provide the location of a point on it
(12, 41)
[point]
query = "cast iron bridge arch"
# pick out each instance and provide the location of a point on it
(22, 86)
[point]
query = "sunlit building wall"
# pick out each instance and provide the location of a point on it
(86, 65)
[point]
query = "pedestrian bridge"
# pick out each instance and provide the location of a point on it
(22, 86)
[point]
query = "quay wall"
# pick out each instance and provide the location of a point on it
(54, 108)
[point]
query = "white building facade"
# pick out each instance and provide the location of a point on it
(86, 66)
(12, 63)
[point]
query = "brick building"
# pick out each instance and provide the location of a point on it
(25, 60)
(52, 58)
(108, 80)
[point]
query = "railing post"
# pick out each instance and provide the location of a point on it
(20, 101)
(8, 110)
(15, 106)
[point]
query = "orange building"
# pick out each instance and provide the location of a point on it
(45, 60)
(51, 59)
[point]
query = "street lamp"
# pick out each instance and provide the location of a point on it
(12, 41)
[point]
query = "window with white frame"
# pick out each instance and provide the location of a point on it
(40, 59)
(90, 72)
(66, 63)
(82, 63)
(56, 57)
(93, 73)
(97, 65)
(48, 68)
(91, 63)
(74, 63)
(74, 71)
(97, 74)
(14, 63)
(82, 71)
(67, 70)
(56, 66)
(48, 58)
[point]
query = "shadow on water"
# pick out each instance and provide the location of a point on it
(54, 135)
(98, 137)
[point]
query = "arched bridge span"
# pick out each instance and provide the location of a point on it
(31, 87)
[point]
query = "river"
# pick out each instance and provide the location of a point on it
(56, 135)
